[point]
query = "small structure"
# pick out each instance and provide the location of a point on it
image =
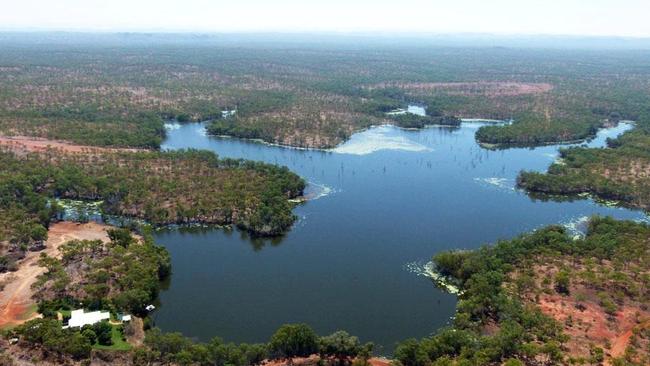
(125, 318)
(79, 318)
(228, 113)
(150, 308)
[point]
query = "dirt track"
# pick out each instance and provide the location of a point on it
(16, 298)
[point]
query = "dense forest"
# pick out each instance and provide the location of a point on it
(159, 187)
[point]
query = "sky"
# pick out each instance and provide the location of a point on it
(551, 17)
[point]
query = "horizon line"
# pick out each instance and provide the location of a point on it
(384, 33)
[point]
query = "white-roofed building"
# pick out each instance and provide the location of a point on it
(79, 318)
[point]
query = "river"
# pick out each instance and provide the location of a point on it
(383, 203)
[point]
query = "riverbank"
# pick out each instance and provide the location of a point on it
(346, 140)
(164, 187)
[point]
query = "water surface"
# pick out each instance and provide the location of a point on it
(388, 200)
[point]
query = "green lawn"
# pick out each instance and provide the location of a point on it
(118, 343)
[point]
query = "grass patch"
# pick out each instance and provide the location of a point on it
(119, 344)
(29, 312)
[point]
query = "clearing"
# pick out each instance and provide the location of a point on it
(16, 304)
(26, 144)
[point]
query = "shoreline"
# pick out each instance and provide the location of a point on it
(331, 149)
(514, 145)
(485, 145)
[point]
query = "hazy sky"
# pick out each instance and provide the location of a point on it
(571, 17)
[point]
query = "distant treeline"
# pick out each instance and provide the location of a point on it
(314, 97)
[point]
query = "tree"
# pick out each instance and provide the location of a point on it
(409, 353)
(294, 340)
(104, 332)
(90, 335)
(166, 343)
(77, 346)
(562, 282)
(254, 353)
(38, 232)
(341, 346)
(48, 333)
(121, 237)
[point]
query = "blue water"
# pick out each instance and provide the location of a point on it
(385, 199)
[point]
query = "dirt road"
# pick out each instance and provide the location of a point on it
(16, 304)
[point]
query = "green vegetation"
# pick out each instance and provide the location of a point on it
(116, 341)
(49, 334)
(160, 187)
(100, 275)
(497, 296)
(75, 343)
(619, 172)
(409, 120)
(535, 129)
(562, 282)
(289, 341)
(343, 348)
(174, 348)
(317, 97)
(294, 340)
(120, 95)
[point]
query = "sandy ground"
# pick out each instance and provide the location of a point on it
(24, 144)
(16, 304)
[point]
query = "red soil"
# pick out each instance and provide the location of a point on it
(16, 298)
(24, 144)
(486, 88)
(592, 325)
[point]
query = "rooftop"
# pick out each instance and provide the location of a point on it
(79, 318)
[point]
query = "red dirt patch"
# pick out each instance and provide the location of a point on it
(585, 320)
(25, 144)
(486, 88)
(16, 298)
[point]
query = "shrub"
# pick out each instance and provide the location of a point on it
(294, 340)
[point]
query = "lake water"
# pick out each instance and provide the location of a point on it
(385, 202)
(412, 108)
